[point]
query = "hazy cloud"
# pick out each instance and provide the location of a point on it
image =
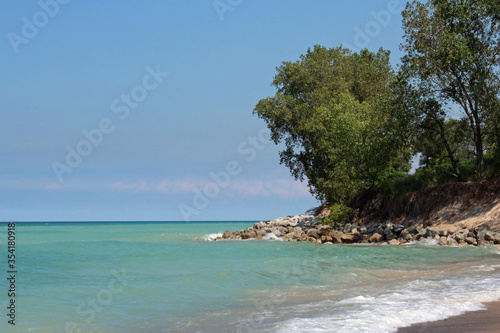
(283, 188)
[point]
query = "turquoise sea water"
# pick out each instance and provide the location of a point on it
(169, 277)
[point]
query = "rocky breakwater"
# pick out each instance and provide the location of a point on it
(311, 229)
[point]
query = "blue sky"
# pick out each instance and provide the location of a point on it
(128, 110)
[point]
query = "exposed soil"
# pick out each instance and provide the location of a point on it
(450, 206)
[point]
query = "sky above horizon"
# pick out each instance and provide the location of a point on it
(142, 111)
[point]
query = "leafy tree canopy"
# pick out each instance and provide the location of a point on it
(453, 56)
(336, 114)
(349, 123)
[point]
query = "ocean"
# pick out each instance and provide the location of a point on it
(170, 277)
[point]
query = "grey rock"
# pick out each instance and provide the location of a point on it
(471, 240)
(372, 228)
(405, 235)
(432, 232)
(398, 228)
(492, 237)
(313, 233)
(347, 228)
(460, 235)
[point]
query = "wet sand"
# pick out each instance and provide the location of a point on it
(483, 321)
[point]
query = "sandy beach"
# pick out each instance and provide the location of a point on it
(484, 321)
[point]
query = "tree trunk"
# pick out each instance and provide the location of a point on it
(478, 141)
(449, 151)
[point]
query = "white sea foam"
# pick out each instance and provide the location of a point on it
(272, 236)
(424, 242)
(410, 303)
(268, 237)
(212, 237)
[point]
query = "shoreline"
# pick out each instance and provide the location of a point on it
(481, 321)
(310, 228)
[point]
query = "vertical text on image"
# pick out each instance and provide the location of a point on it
(11, 273)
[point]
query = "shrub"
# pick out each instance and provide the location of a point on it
(338, 213)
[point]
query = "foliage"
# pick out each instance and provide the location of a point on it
(336, 113)
(338, 213)
(350, 124)
(452, 55)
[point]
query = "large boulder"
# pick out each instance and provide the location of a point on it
(471, 240)
(247, 234)
(394, 242)
(405, 235)
(259, 225)
(261, 233)
(336, 237)
(349, 238)
(326, 238)
(376, 238)
(313, 233)
(461, 235)
(434, 232)
(397, 229)
(492, 237)
(298, 232)
(372, 227)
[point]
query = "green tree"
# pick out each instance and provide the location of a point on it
(443, 143)
(336, 114)
(429, 133)
(453, 54)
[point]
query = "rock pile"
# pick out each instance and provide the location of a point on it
(309, 228)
